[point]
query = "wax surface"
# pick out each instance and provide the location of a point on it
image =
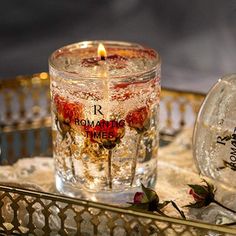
(119, 61)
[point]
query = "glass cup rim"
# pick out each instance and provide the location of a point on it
(85, 44)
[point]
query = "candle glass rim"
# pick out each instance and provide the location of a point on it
(86, 44)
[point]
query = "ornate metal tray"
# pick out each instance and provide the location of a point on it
(25, 125)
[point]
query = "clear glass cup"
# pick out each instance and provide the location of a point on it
(214, 139)
(104, 119)
(214, 145)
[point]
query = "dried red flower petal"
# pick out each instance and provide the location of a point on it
(138, 197)
(107, 133)
(118, 62)
(138, 119)
(67, 112)
(195, 196)
(90, 62)
(202, 194)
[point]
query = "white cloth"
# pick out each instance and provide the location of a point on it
(176, 169)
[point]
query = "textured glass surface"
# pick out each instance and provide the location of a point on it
(105, 128)
(215, 133)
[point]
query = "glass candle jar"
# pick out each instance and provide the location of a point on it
(214, 147)
(105, 106)
(214, 141)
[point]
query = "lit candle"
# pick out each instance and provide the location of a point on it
(105, 104)
(102, 52)
(103, 73)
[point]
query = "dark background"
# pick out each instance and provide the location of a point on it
(196, 38)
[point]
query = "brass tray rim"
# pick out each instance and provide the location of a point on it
(117, 209)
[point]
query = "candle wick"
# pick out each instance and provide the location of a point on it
(103, 58)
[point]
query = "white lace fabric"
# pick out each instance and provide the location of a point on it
(176, 169)
(38, 172)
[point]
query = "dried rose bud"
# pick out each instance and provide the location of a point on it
(203, 195)
(66, 113)
(138, 119)
(195, 196)
(107, 133)
(146, 200)
(138, 197)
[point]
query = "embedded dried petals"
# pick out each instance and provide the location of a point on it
(107, 133)
(117, 61)
(67, 112)
(138, 119)
(90, 62)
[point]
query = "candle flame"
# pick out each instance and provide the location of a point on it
(102, 51)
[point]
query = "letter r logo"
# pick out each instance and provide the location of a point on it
(97, 108)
